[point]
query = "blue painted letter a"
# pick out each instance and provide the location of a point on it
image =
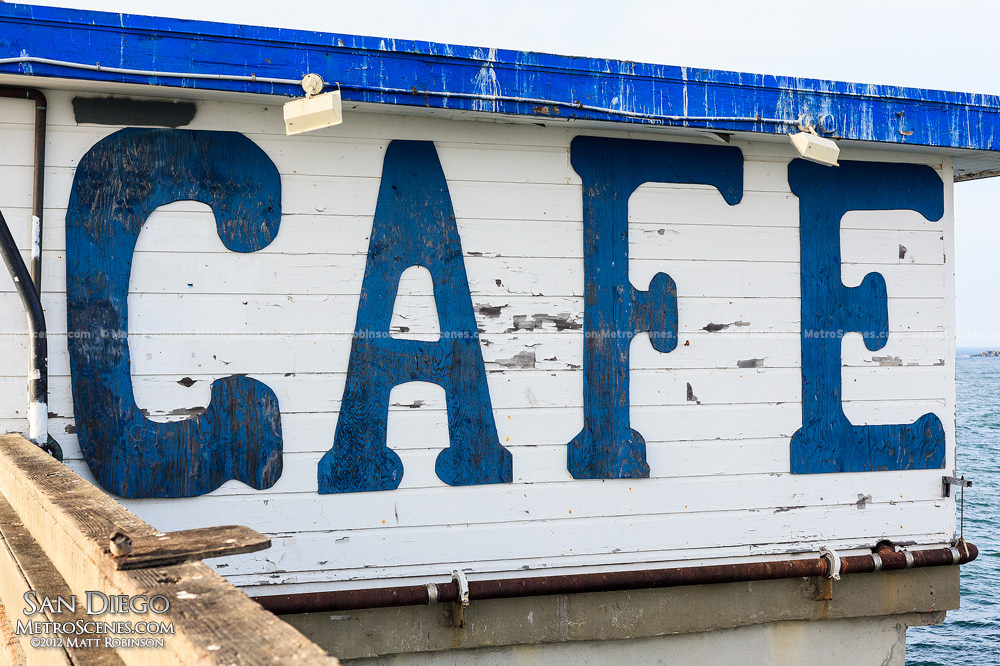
(414, 226)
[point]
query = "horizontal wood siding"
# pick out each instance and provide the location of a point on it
(717, 413)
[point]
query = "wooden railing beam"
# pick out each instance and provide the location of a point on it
(71, 522)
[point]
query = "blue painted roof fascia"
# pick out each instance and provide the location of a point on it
(477, 79)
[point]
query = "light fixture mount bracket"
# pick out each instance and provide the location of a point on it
(312, 84)
(807, 123)
(811, 146)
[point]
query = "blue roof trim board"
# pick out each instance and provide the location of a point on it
(443, 76)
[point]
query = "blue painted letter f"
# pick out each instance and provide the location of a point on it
(614, 311)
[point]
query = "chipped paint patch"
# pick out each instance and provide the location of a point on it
(416, 404)
(525, 359)
(715, 328)
(490, 310)
(564, 321)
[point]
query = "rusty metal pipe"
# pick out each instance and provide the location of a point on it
(883, 559)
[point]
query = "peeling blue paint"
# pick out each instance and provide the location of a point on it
(425, 74)
(414, 226)
(828, 441)
(118, 184)
(615, 311)
(124, 177)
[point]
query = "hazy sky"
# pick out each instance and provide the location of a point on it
(924, 43)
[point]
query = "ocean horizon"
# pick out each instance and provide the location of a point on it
(970, 636)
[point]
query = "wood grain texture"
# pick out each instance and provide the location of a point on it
(119, 182)
(614, 310)
(828, 441)
(12, 654)
(25, 566)
(285, 316)
(166, 548)
(529, 88)
(70, 520)
(414, 225)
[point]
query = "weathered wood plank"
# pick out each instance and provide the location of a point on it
(190, 545)
(536, 464)
(71, 520)
(329, 318)
(13, 584)
(171, 229)
(234, 273)
(11, 653)
(305, 511)
(219, 355)
(672, 425)
(538, 202)
(606, 541)
(25, 566)
(523, 154)
(530, 389)
(662, 242)
(321, 392)
(264, 121)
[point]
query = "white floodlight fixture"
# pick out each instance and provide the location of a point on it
(314, 111)
(812, 146)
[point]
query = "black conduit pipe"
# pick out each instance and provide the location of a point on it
(29, 282)
(38, 183)
(38, 379)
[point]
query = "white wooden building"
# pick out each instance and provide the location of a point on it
(718, 406)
